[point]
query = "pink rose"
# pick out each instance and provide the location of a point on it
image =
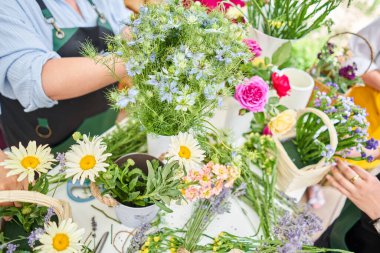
(267, 131)
(253, 46)
(253, 94)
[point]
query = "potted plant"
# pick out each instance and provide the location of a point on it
(183, 61)
(276, 22)
(140, 185)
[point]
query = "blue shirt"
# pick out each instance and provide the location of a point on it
(26, 42)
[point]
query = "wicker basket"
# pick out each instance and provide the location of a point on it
(61, 208)
(290, 177)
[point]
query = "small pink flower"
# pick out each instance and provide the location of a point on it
(253, 46)
(194, 175)
(253, 94)
(218, 187)
(221, 171)
(192, 193)
(205, 179)
(206, 192)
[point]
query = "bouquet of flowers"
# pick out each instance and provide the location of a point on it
(312, 138)
(211, 186)
(332, 67)
(182, 62)
(289, 19)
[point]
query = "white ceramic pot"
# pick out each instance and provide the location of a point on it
(136, 216)
(302, 85)
(158, 144)
(268, 44)
(237, 124)
(221, 113)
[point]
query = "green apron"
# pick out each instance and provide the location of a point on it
(88, 114)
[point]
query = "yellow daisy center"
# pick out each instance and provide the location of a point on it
(61, 242)
(30, 162)
(184, 152)
(87, 162)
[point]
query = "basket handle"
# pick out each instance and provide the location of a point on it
(326, 120)
(107, 200)
(61, 208)
(372, 54)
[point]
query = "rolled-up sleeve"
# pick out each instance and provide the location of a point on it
(119, 14)
(22, 56)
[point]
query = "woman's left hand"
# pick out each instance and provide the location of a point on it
(362, 188)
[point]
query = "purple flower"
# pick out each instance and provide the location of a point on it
(48, 215)
(363, 155)
(372, 144)
(297, 229)
(348, 72)
(11, 248)
(34, 236)
(370, 159)
(62, 161)
(138, 238)
(253, 46)
(333, 85)
(328, 152)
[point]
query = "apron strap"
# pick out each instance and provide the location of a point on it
(45, 11)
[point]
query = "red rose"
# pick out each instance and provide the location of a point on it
(281, 84)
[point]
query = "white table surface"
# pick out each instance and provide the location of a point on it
(235, 222)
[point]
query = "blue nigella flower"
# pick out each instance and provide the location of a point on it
(167, 91)
(372, 144)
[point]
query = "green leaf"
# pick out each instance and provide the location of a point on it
(282, 54)
(132, 196)
(162, 206)
(132, 184)
(281, 108)
(259, 117)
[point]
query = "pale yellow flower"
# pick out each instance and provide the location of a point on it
(235, 13)
(283, 123)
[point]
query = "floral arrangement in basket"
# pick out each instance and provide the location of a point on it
(334, 64)
(38, 229)
(182, 62)
(351, 125)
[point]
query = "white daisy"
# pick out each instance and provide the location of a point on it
(25, 162)
(64, 238)
(185, 149)
(86, 159)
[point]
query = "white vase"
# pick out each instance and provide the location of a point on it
(237, 124)
(301, 84)
(136, 216)
(158, 144)
(220, 115)
(268, 44)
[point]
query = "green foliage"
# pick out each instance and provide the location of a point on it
(29, 215)
(131, 186)
(125, 139)
(282, 54)
(290, 19)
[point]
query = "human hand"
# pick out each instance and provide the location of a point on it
(10, 183)
(359, 186)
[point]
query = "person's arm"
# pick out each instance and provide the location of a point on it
(362, 188)
(9, 183)
(372, 79)
(66, 78)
